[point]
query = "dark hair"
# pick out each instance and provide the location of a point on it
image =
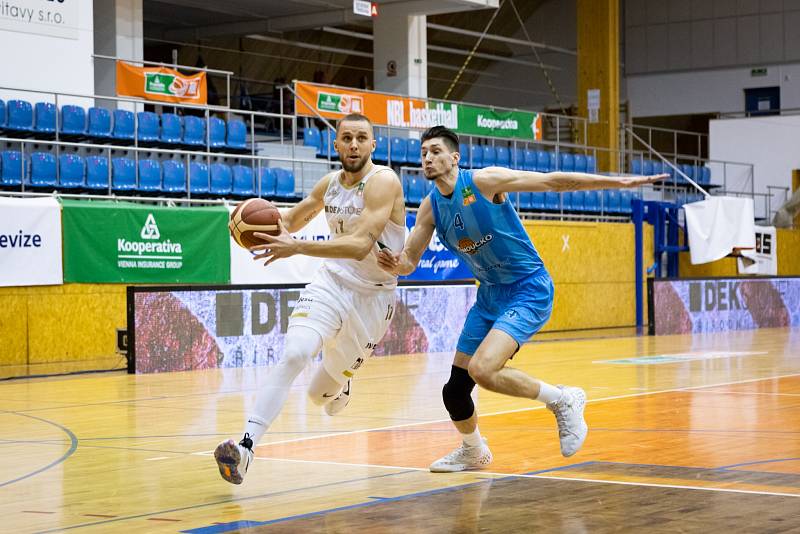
(449, 137)
(355, 117)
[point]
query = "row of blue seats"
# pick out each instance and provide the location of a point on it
(147, 127)
(608, 201)
(407, 151)
(168, 176)
(700, 174)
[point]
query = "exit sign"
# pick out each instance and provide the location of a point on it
(364, 8)
(758, 72)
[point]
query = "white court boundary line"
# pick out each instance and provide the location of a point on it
(517, 410)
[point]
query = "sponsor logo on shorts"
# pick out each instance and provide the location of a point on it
(359, 362)
(468, 246)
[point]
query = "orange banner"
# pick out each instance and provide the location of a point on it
(159, 83)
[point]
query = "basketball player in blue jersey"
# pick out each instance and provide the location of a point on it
(473, 217)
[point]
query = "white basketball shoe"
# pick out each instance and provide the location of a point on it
(233, 460)
(572, 427)
(463, 458)
(341, 400)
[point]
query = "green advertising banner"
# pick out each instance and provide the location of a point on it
(474, 120)
(112, 242)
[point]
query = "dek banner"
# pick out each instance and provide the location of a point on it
(112, 242)
(437, 263)
(159, 83)
(294, 270)
(30, 242)
(405, 112)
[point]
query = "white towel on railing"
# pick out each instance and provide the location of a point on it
(718, 225)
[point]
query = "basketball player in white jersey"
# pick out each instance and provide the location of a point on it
(347, 307)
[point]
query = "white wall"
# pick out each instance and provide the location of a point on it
(35, 57)
(708, 91)
(771, 143)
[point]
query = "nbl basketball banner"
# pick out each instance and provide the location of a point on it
(722, 304)
(407, 112)
(160, 83)
(182, 329)
(30, 242)
(112, 242)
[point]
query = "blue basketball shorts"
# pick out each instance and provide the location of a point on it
(519, 309)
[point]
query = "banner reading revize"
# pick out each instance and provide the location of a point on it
(719, 304)
(206, 329)
(124, 242)
(30, 242)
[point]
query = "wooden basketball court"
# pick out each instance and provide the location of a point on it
(687, 433)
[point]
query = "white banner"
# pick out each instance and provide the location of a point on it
(717, 226)
(295, 270)
(55, 19)
(30, 242)
(764, 258)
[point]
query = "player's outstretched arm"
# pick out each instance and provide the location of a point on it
(405, 261)
(493, 180)
(380, 194)
(299, 215)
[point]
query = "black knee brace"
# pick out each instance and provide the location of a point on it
(456, 394)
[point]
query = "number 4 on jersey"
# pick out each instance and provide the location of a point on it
(459, 223)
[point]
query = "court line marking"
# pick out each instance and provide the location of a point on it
(544, 477)
(517, 410)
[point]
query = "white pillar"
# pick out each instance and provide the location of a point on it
(402, 39)
(118, 31)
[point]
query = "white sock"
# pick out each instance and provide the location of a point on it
(302, 344)
(548, 394)
(473, 439)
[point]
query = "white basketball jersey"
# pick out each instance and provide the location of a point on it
(343, 206)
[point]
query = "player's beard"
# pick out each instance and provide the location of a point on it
(354, 167)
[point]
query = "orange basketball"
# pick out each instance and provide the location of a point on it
(251, 216)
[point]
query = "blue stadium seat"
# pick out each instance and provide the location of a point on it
(399, 151)
(611, 201)
(552, 201)
(311, 137)
(171, 129)
(688, 170)
(705, 175)
(20, 115)
(580, 163)
(43, 169)
(592, 202)
(543, 161)
(99, 123)
(269, 182)
(636, 166)
(216, 132)
(284, 183)
(567, 162)
(14, 168)
(123, 125)
(174, 176)
(476, 153)
(97, 172)
(531, 160)
(381, 153)
(221, 179)
(194, 131)
(553, 160)
(243, 181)
(538, 201)
(416, 189)
(413, 153)
(625, 198)
(71, 171)
(566, 200)
(502, 157)
(73, 120)
(489, 156)
(578, 201)
(3, 119)
(148, 126)
(45, 118)
(658, 167)
(464, 152)
(326, 148)
(123, 174)
(518, 159)
(149, 175)
(198, 178)
(237, 135)
(525, 200)
(591, 164)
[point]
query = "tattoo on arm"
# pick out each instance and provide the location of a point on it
(311, 215)
(568, 185)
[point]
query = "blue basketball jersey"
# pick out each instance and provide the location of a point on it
(488, 237)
